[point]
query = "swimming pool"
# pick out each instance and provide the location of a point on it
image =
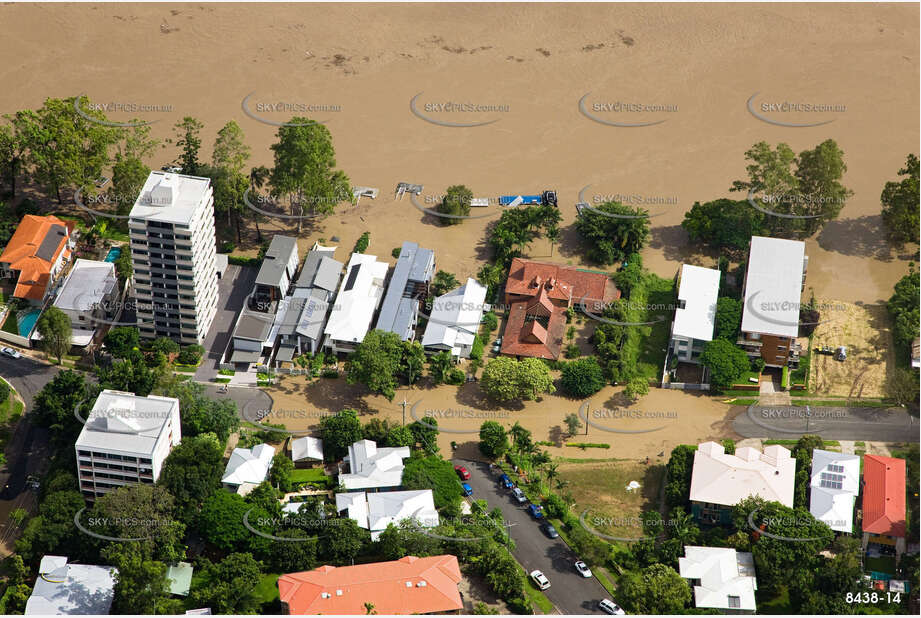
(27, 322)
(113, 254)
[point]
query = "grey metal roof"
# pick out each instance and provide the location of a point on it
(289, 320)
(251, 325)
(328, 274)
(285, 353)
(51, 242)
(282, 247)
(313, 318)
(244, 356)
(87, 284)
(311, 263)
(275, 262)
(396, 314)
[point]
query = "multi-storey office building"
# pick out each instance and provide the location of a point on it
(173, 254)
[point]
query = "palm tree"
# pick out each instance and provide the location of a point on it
(552, 472)
(257, 179)
(369, 608)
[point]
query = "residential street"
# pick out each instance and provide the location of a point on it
(570, 592)
(842, 423)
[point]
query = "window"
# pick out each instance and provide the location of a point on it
(755, 336)
(735, 602)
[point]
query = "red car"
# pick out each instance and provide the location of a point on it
(462, 472)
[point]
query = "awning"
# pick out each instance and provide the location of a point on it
(244, 356)
(285, 354)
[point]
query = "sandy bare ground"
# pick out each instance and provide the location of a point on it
(665, 418)
(864, 329)
(705, 60)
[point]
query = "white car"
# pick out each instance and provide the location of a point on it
(610, 607)
(583, 569)
(10, 352)
(519, 495)
(540, 580)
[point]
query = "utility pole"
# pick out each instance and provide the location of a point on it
(404, 403)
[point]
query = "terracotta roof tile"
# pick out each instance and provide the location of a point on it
(884, 495)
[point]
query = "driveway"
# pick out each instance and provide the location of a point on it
(232, 290)
(247, 398)
(840, 423)
(569, 592)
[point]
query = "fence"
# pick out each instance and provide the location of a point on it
(686, 386)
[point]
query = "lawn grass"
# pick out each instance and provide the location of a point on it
(537, 597)
(826, 443)
(606, 579)
(654, 300)
(267, 589)
(11, 324)
(841, 403)
(743, 379)
(882, 564)
(309, 475)
(184, 369)
(742, 401)
(776, 605)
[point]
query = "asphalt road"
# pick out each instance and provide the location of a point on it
(233, 288)
(844, 423)
(569, 592)
(249, 400)
(29, 446)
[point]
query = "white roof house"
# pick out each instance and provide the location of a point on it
(372, 467)
(718, 478)
(722, 577)
(247, 468)
(63, 588)
(455, 319)
(358, 299)
(86, 286)
(696, 312)
(773, 286)
(376, 511)
(834, 487)
(307, 447)
(171, 198)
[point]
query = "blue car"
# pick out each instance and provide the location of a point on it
(506, 481)
(467, 489)
(536, 511)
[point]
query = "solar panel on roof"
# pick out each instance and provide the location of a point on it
(835, 468)
(353, 275)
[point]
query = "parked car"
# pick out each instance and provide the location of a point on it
(540, 580)
(462, 472)
(610, 607)
(467, 489)
(536, 511)
(497, 345)
(519, 495)
(841, 353)
(550, 531)
(506, 481)
(101, 182)
(172, 169)
(583, 569)
(10, 352)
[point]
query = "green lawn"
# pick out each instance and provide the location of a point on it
(11, 324)
(656, 300)
(883, 564)
(267, 589)
(309, 475)
(826, 443)
(776, 605)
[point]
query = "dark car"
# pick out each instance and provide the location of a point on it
(462, 472)
(536, 511)
(550, 531)
(506, 481)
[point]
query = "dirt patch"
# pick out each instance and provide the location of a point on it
(474, 589)
(864, 329)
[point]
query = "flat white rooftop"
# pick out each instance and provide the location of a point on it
(170, 198)
(698, 290)
(773, 287)
(125, 422)
(358, 298)
(86, 285)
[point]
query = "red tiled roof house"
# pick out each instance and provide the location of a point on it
(537, 295)
(36, 255)
(409, 585)
(884, 503)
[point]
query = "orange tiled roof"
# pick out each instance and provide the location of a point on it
(884, 495)
(345, 590)
(528, 278)
(23, 253)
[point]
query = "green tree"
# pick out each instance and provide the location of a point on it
(376, 362)
(230, 586)
(437, 474)
(129, 374)
(121, 341)
(165, 345)
(505, 379)
(728, 318)
(819, 172)
(725, 361)
(338, 432)
(55, 404)
(412, 361)
(493, 439)
(399, 436)
(140, 512)
(443, 282)
(490, 275)
(609, 239)
(124, 268)
(200, 413)
(128, 177)
(724, 225)
(13, 147)
(440, 365)
(582, 378)
(771, 177)
(280, 473)
(455, 202)
(192, 471)
(54, 327)
(425, 433)
(294, 556)
(304, 168)
(342, 543)
(904, 309)
(141, 586)
(407, 539)
(636, 387)
(900, 204)
(220, 521)
(678, 475)
(230, 149)
(657, 589)
(188, 138)
(573, 424)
